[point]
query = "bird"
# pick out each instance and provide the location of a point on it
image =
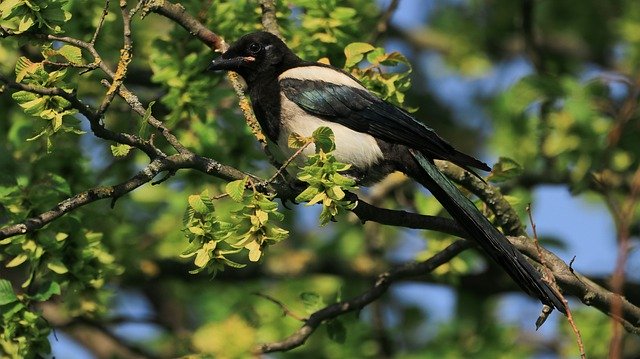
(290, 95)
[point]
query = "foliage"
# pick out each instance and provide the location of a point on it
(19, 16)
(562, 111)
(390, 86)
(322, 173)
(24, 333)
(249, 227)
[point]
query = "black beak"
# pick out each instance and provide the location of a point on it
(232, 64)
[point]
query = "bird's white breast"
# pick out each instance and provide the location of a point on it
(359, 149)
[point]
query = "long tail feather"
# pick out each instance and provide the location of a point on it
(494, 243)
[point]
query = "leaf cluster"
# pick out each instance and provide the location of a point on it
(18, 16)
(371, 64)
(251, 228)
(326, 185)
(51, 108)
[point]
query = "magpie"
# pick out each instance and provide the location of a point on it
(290, 95)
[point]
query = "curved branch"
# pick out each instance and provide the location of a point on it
(570, 280)
(380, 287)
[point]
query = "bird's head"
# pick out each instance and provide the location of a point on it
(256, 55)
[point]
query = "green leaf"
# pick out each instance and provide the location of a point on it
(25, 24)
(17, 260)
(312, 301)
(57, 266)
(46, 291)
(145, 120)
(307, 194)
(324, 139)
(296, 141)
(335, 192)
(201, 203)
(343, 181)
(7, 7)
(23, 96)
(36, 107)
(24, 67)
(336, 331)
(354, 52)
(120, 150)
(235, 189)
(197, 231)
(317, 198)
(6, 292)
(504, 170)
(71, 53)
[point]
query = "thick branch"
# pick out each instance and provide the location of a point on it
(177, 13)
(159, 165)
(570, 281)
(269, 20)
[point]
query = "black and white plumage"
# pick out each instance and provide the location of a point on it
(291, 95)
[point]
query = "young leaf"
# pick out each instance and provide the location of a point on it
(24, 67)
(46, 291)
(324, 139)
(196, 202)
(18, 260)
(120, 150)
(6, 292)
(504, 170)
(57, 266)
(355, 51)
(71, 53)
(296, 141)
(235, 189)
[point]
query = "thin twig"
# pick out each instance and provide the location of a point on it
(97, 128)
(288, 161)
(624, 222)
(146, 175)
(285, 311)
(123, 62)
(105, 11)
(385, 20)
(549, 278)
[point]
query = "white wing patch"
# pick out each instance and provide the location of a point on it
(319, 73)
(359, 149)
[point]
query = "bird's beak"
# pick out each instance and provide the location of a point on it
(231, 64)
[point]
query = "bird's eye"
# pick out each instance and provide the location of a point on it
(254, 48)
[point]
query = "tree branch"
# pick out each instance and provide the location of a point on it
(178, 14)
(506, 217)
(380, 287)
(158, 165)
(269, 19)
